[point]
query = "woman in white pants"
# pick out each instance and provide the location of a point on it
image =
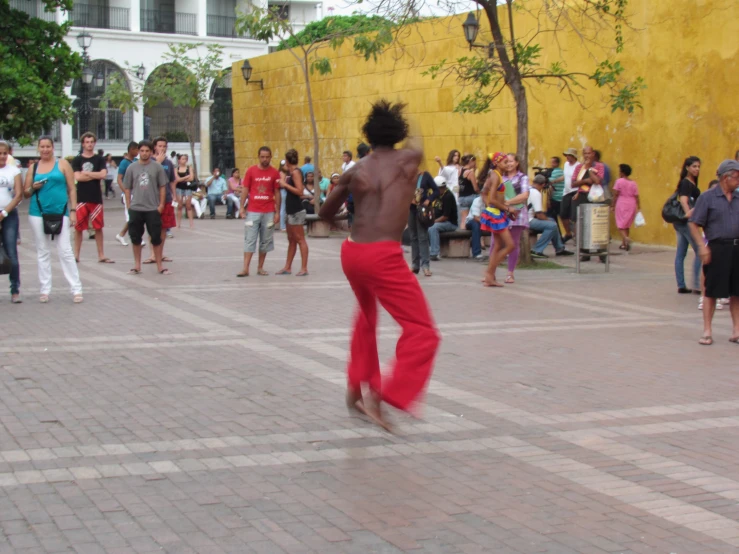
(50, 187)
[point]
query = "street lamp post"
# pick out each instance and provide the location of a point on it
(84, 39)
(471, 27)
(246, 70)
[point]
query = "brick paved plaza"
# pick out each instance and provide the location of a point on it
(204, 413)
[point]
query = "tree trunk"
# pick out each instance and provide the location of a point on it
(191, 138)
(314, 129)
(522, 123)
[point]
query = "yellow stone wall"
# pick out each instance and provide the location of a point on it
(687, 51)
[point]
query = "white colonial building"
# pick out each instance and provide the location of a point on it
(136, 33)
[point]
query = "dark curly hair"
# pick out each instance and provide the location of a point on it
(385, 125)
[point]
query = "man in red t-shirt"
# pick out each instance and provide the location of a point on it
(261, 187)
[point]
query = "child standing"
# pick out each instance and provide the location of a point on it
(625, 204)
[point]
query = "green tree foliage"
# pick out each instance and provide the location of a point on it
(184, 80)
(35, 65)
(307, 48)
(324, 29)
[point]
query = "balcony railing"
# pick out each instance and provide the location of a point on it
(34, 8)
(161, 21)
(99, 17)
(223, 26)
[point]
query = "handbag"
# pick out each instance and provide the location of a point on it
(639, 220)
(53, 223)
(672, 211)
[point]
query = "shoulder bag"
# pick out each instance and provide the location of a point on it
(424, 214)
(52, 222)
(672, 211)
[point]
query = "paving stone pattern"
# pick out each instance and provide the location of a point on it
(204, 413)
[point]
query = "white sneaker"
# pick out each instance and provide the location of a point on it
(719, 305)
(700, 303)
(143, 243)
(121, 240)
(722, 300)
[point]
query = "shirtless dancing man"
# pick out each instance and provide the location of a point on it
(382, 185)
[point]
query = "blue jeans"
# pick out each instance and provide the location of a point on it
(434, 240)
(9, 235)
(683, 239)
(212, 199)
(549, 233)
(475, 240)
(419, 243)
(283, 214)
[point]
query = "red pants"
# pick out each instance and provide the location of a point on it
(378, 271)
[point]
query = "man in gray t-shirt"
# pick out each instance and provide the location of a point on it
(147, 180)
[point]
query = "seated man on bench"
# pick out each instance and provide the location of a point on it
(540, 223)
(472, 224)
(445, 211)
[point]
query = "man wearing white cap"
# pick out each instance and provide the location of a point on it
(445, 211)
(716, 212)
(568, 193)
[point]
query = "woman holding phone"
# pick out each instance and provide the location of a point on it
(50, 187)
(10, 196)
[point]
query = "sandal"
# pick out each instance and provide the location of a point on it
(242, 274)
(44, 298)
(509, 280)
(735, 340)
(283, 272)
(166, 259)
(134, 271)
(302, 274)
(262, 272)
(150, 261)
(427, 272)
(77, 299)
(16, 299)
(165, 271)
(706, 340)
(105, 261)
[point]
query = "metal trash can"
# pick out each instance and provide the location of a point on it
(593, 231)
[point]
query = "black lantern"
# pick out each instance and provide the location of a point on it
(471, 27)
(140, 71)
(246, 70)
(99, 80)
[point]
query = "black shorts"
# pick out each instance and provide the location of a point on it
(722, 274)
(153, 222)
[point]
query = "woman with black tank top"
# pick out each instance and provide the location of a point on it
(468, 189)
(295, 212)
(687, 192)
(184, 192)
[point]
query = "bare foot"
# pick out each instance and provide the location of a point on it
(491, 283)
(373, 411)
(354, 401)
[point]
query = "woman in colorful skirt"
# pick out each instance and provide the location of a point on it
(496, 216)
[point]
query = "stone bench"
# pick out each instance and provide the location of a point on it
(318, 228)
(456, 244)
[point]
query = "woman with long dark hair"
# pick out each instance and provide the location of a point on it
(451, 170)
(183, 180)
(295, 213)
(687, 193)
(468, 188)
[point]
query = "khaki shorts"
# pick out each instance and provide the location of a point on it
(296, 219)
(261, 225)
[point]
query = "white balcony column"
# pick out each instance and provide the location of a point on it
(205, 160)
(202, 18)
(138, 122)
(67, 146)
(135, 16)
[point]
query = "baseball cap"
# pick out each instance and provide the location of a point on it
(570, 152)
(440, 181)
(727, 166)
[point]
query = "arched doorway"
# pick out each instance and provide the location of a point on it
(108, 124)
(163, 119)
(222, 126)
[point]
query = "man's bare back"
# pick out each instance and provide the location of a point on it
(382, 185)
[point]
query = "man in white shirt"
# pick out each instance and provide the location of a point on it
(569, 193)
(472, 223)
(539, 222)
(348, 162)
